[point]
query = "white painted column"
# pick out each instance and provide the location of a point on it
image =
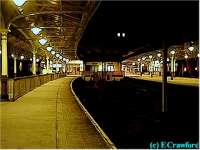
(47, 64)
(15, 66)
(4, 53)
(34, 64)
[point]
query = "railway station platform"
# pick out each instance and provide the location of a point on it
(48, 117)
(176, 80)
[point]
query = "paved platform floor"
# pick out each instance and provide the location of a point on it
(47, 117)
(176, 80)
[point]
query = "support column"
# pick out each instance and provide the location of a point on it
(4, 74)
(34, 64)
(15, 66)
(47, 64)
(164, 80)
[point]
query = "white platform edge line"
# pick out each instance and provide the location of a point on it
(98, 128)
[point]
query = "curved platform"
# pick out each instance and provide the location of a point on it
(47, 117)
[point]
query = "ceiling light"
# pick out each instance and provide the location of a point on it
(139, 59)
(67, 60)
(133, 64)
(118, 34)
(123, 34)
(12, 55)
(191, 48)
(19, 3)
(150, 56)
(49, 48)
(43, 41)
(64, 59)
(37, 60)
(53, 52)
(60, 57)
(36, 30)
(143, 58)
(57, 55)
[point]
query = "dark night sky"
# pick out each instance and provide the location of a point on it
(146, 24)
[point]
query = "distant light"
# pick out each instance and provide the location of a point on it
(133, 64)
(57, 55)
(37, 60)
(49, 48)
(60, 57)
(12, 55)
(195, 68)
(67, 60)
(185, 69)
(31, 59)
(191, 48)
(123, 34)
(159, 54)
(43, 41)
(198, 55)
(118, 34)
(0, 51)
(139, 59)
(167, 59)
(36, 30)
(172, 52)
(150, 56)
(53, 52)
(19, 3)
(143, 58)
(186, 56)
(22, 57)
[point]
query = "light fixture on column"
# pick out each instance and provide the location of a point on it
(22, 57)
(186, 56)
(19, 3)
(0, 51)
(43, 41)
(172, 52)
(36, 30)
(49, 48)
(159, 54)
(53, 52)
(167, 59)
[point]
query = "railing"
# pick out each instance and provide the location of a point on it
(19, 86)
